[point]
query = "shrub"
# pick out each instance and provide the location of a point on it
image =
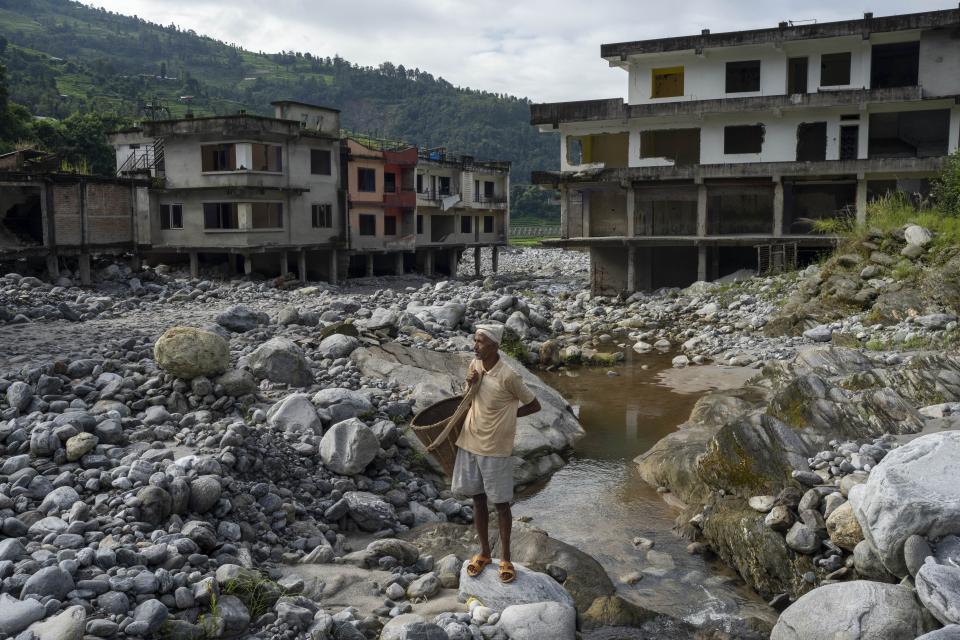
(946, 187)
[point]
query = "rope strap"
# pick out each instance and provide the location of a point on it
(456, 418)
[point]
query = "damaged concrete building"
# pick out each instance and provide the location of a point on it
(730, 145)
(64, 219)
(256, 193)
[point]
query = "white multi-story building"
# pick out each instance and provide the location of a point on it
(731, 141)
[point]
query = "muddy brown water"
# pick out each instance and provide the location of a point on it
(599, 503)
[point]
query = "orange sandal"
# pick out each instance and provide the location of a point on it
(507, 573)
(476, 565)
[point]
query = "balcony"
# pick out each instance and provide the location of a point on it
(489, 202)
(435, 198)
(404, 199)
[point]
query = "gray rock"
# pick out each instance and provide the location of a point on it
(938, 587)
(529, 587)
(915, 234)
(380, 319)
(369, 511)
(17, 615)
(951, 632)
(237, 382)
(947, 551)
(802, 539)
(935, 320)
(240, 319)
(763, 504)
(913, 490)
(448, 571)
(779, 519)
(348, 447)
(297, 617)
(820, 333)
(11, 549)
(156, 504)
(80, 445)
(69, 624)
(395, 627)
(295, 414)
(49, 581)
(867, 562)
(915, 551)
(152, 613)
(234, 615)
(342, 404)
(426, 586)
(19, 395)
(281, 360)
(113, 602)
(402, 550)
(202, 533)
(422, 631)
(204, 493)
(60, 500)
(858, 610)
(539, 620)
(337, 345)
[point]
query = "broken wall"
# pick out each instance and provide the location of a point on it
(608, 270)
(21, 217)
(740, 208)
(608, 212)
(670, 211)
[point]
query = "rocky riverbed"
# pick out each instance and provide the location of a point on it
(251, 474)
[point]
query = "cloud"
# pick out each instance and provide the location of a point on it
(540, 49)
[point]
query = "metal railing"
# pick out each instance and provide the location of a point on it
(539, 231)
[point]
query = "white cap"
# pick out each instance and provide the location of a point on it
(492, 331)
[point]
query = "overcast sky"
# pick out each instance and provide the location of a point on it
(547, 50)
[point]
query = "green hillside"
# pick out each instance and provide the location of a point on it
(65, 58)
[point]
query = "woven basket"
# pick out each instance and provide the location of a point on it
(430, 424)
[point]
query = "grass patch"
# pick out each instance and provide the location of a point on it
(256, 592)
(526, 242)
(515, 347)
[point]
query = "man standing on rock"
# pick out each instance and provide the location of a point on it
(484, 465)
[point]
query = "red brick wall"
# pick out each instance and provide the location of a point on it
(108, 217)
(66, 210)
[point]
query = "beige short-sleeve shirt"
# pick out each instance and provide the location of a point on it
(491, 423)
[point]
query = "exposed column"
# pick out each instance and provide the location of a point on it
(476, 261)
(284, 269)
(702, 262)
(714, 261)
(195, 264)
(778, 208)
(631, 214)
(53, 266)
(631, 269)
(135, 262)
(247, 264)
(334, 277)
(369, 270)
(398, 265)
(494, 257)
(231, 264)
(701, 210)
(302, 264)
(454, 261)
(861, 200)
(83, 266)
(953, 140)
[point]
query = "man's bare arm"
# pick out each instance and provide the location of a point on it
(527, 409)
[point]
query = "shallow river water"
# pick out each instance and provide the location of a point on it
(599, 503)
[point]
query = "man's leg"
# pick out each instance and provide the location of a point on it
(505, 521)
(481, 520)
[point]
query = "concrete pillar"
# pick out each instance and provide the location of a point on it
(701, 210)
(714, 271)
(302, 265)
(53, 267)
(231, 264)
(398, 265)
(83, 266)
(861, 200)
(194, 264)
(778, 208)
(428, 263)
(334, 276)
(702, 262)
(247, 265)
(284, 269)
(454, 261)
(494, 257)
(631, 214)
(476, 261)
(135, 262)
(369, 269)
(631, 269)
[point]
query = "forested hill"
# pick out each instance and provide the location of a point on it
(64, 57)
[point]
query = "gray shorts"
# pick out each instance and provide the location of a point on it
(474, 474)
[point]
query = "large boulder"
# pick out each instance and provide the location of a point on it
(913, 490)
(938, 587)
(539, 620)
(69, 624)
(369, 511)
(17, 615)
(342, 404)
(439, 376)
(188, 353)
(281, 360)
(295, 414)
(337, 346)
(348, 447)
(241, 319)
(858, 610)
(529, 587)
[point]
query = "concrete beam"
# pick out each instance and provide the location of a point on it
(83, 266)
